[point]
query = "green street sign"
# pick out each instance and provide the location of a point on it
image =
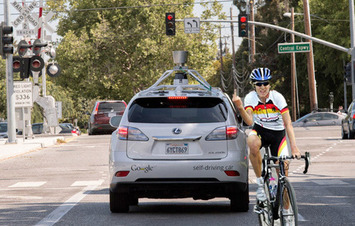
(297, 47)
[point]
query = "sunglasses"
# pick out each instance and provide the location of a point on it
(261, 83)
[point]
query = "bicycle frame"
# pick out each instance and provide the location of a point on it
(275, 204)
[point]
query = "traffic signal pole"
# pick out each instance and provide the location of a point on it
(10, 97)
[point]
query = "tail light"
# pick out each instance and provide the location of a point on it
(232, 173)
(97, 108)
(131, 133)
(121, 173)
(223, 133)
(353, 116)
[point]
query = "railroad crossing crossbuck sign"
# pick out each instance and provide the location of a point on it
(25, 13)
(192, 25)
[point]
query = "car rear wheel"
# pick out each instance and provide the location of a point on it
(351, 134)
(240, 201)
(119, 202)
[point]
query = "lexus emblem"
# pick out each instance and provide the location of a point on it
(176, 131)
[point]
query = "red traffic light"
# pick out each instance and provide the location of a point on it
(37, 63)
(243, 19)
(170, 23)
(170, 17)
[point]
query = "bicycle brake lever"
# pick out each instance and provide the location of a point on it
(307, 159)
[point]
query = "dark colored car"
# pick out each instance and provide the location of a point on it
(99, 121)
(348, 123)
(3, 129)
(319, 119)
(37, 128)
(69, 128)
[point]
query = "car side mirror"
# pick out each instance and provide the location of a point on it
(115, 120)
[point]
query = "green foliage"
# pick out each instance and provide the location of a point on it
(113, 49)
(330, 22)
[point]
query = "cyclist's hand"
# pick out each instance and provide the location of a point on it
(237, 101)
(296, 153)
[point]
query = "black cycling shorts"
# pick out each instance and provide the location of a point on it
(275, 138)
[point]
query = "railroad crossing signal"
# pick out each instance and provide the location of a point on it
(243, 25)
(6, 40)
(170, 23)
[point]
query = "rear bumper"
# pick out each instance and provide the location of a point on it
(179, 188)
(106, 128)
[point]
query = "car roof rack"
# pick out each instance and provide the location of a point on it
(202, 87)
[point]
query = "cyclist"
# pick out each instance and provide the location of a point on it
(267, 111)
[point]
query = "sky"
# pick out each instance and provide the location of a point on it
(226, 30)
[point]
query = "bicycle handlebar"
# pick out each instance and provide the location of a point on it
(306, 157)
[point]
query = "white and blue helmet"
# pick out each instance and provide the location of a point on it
(260, 75)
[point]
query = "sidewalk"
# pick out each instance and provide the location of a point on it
(28, 145)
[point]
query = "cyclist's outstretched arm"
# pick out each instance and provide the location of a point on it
(247, 115)
(291, 135)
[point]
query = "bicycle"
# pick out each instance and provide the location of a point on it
(281, 201)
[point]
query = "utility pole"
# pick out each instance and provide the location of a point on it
(221, 52)
(232, 33)
(293, 69)
(233, 67)
(352, 36)
(252, 33)
(10, 97)
(310, 61)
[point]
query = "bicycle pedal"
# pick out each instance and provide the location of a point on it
(257, 209)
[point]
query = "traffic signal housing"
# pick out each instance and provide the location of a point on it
(6, 40)
(23, 47)
(170, 23)
(37, 46)
(243, 25)
(347, 74)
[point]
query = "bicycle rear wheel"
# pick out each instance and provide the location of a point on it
(288, 210)
(264, 209)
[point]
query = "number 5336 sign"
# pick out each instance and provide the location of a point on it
(23, 94)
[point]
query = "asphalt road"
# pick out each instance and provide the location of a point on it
(67, 184)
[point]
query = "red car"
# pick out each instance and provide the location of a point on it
(101, 114)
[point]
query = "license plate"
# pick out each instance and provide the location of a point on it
(172, 148)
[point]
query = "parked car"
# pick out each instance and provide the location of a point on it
(37, 128)
(99, 121)
(319, 119)
(69, 128)
(3, 130)
(348, 123)
(178, 141)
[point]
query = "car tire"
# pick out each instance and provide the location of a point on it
(351, 134)
(119, 202)
(133, 201)
(240, 201)
(344, 135)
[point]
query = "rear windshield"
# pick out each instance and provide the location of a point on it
(164, 110)
(111, 106)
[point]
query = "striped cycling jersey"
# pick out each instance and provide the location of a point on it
(268, 115)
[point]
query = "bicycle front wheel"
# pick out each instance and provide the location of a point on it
(265, 209)
(288, 210)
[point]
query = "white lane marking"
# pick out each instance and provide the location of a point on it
(63, 209)
(20, 197)
(86, 183)
(27, 184)
(330, 182)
